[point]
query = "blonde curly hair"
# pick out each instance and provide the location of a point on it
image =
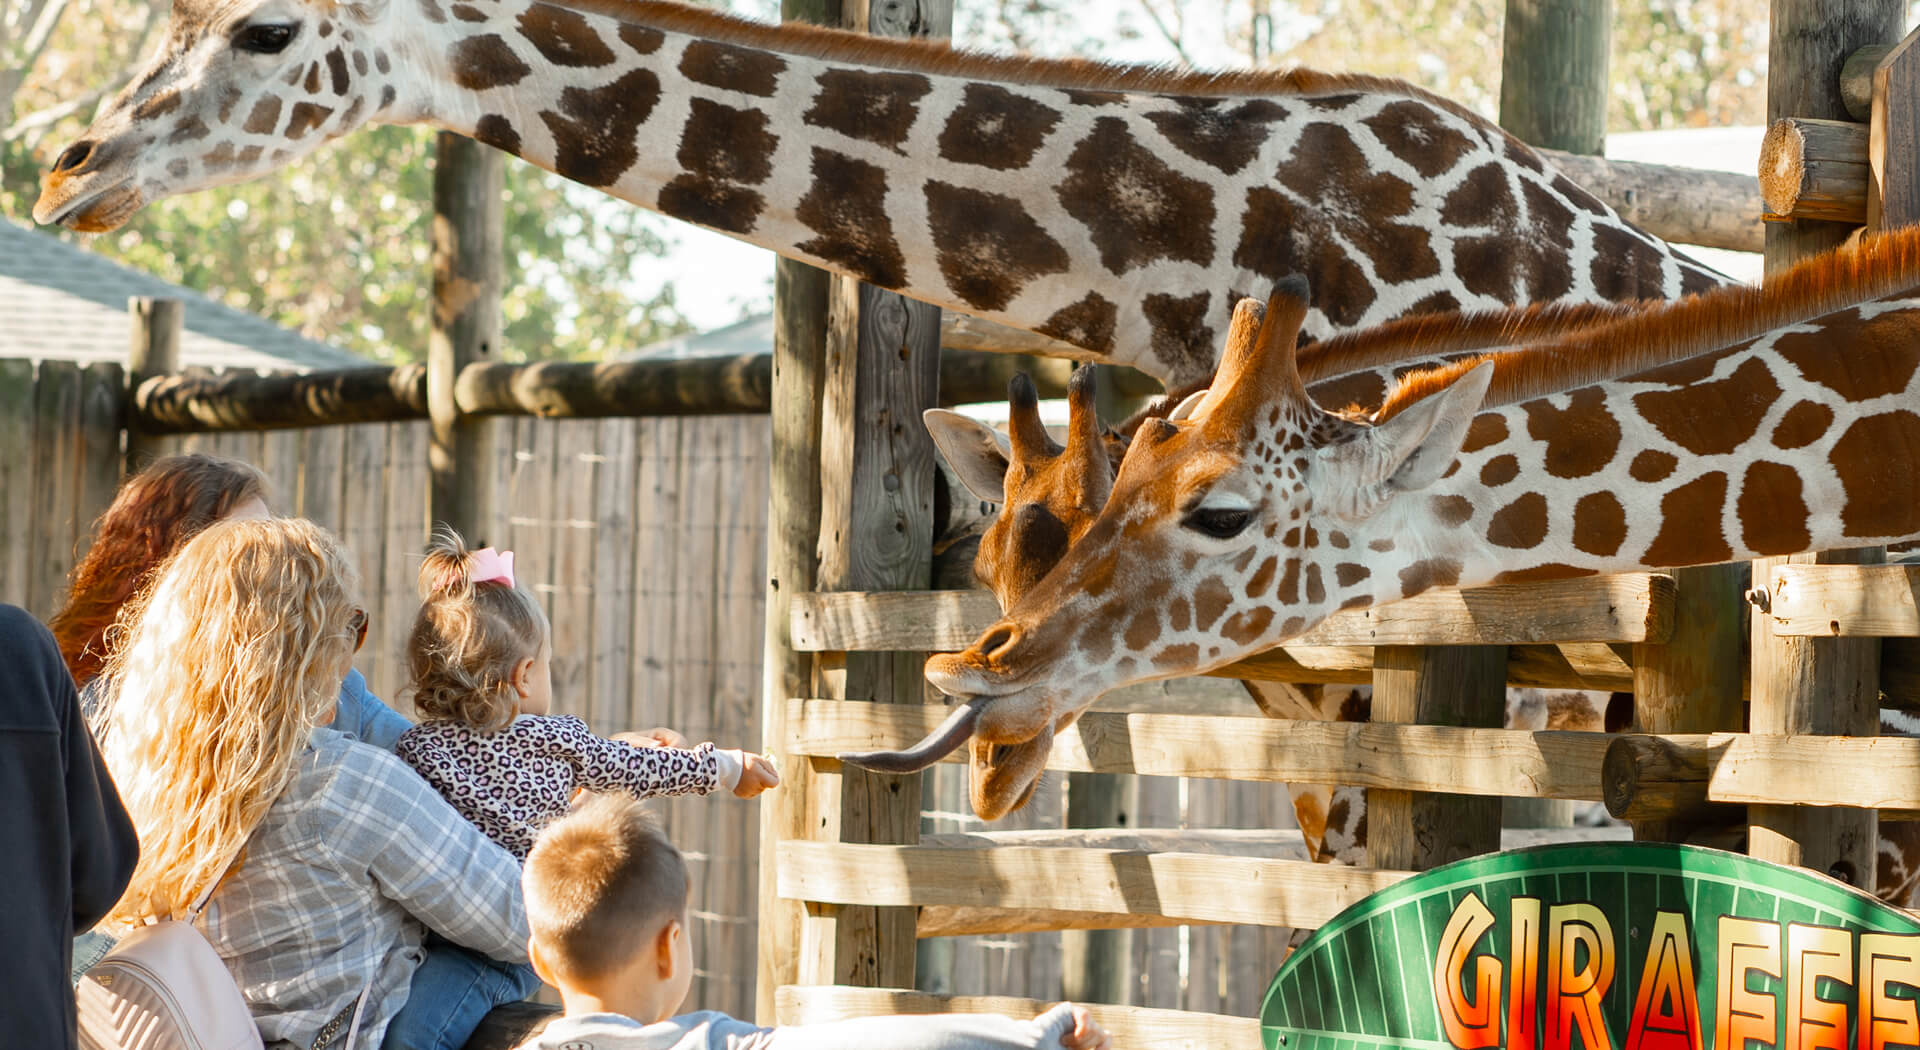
(467, 639)
(228, 660)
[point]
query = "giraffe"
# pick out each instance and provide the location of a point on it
(1742, 423)
(1120, 209)
(1051, 493)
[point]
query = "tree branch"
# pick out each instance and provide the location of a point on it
(1172, 35)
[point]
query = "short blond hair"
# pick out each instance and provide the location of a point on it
(467, 639)
(598, 883)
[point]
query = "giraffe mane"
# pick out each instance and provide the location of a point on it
(936, 57)
(1427, 335)
(1652, 335)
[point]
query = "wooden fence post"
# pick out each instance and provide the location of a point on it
(1816, 685)
(153, 350)
(1456, 685)
(469, 273)
(1553, 73)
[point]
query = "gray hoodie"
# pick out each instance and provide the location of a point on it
(708, 1030)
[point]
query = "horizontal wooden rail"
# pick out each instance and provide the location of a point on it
(1714, 209)
(1844, 600)
(1815, 169)
(1504, 762)
(1130, 1026)
(1629, 607)
(1682, 773)
(182, 404)
(1188, 886)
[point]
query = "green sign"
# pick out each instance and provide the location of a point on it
(1636, 946)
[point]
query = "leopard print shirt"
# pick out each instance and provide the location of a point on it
(513, 782)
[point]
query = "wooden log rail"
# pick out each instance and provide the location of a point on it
(550, 389)
(1655, 777)
(1821, 169)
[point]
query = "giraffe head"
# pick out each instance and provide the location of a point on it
(1049, 493)
(1242, 525)
(237, 88)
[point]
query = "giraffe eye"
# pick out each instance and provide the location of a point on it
(264, 39)
(1222, 523)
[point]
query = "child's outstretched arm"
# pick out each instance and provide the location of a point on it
(601, 764)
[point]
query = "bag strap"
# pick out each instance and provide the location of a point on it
(200, 903)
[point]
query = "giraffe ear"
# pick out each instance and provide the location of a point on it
(1414, 449)
(1187, 407)
(977, 453)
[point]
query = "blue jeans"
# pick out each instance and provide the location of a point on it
(451, 991)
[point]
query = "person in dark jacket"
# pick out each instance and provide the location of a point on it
(67, 847)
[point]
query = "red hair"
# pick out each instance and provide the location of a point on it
(154, 512)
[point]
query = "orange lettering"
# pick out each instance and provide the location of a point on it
(1746, 945)
(1666, 1011)
(1574, 990)
(1470, 1022)
(1814, 952)
(1886, 958)
(1523, 982)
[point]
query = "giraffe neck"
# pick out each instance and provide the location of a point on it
(1125, 221)
(1803, 439)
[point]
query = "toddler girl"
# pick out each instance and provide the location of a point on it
(480, 657)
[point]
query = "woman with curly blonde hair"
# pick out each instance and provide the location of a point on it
(231, 665)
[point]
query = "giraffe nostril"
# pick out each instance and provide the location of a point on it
(999, 640)
(73, 157)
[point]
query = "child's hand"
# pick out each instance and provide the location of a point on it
(1087, 1033)
(659, 736)
(756, 775)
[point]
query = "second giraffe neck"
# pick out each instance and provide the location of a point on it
(1111, 219)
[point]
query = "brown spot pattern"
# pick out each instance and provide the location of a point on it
(1348, 573)
(1341, 182)
(1625, 266)
(1246, 626)
(304, 117)
(158, 105)
(644, 40)
(482, 62)
(996, 128)
(564, 37)
(1874, 459)
(1711, 418)
(1210, 601)
(871, 107)
(1452, 510)
(1179, 333)
(1521, 524)
(1883, 356)
(1177, 656)
(1690, 531)
(468, 13)
(1773, 510)
(988, 247)
(1802, 425)
(264, 117)
(594, 133)
(1415, 132)
(1599, 524)
(1428, 573)
(723, 150)
(1483, 198)
(1089, 323)
(732, 68)
(1652, 465)
(1262, 577)
(1136, 209)
(1499, 470)
(1487, 429)
(219, 158)
(337, 71)
(1580, 439)
(1144, 628)
(846, 206)
(498, 132)
(1274, 233)
(1211, 131)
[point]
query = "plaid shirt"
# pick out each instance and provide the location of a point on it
(341, 881)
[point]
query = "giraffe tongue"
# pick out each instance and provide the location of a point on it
(940, 743)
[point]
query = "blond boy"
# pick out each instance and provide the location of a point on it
(607, 906)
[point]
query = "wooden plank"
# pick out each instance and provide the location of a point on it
(1457, 686)
(1175, 885)
(1129, 1026)
(1694, 682)
(1867, 772)
(56, 454)
(20, 518)
(469, 271)
(610, 707)
(573, 572)
(1468, 761)
(153, 351)
(363, 498)
(1893, 199)
(406, 538)
(1852, 601)
(1553, 73)
(1630, 607)
(322, 473)
(103, 392)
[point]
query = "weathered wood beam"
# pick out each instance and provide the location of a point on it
(247, 401)
(1856, 80)
(1173, 885)
(1128, 1025)
(1815, 169)
(1629, 607)
(1468, 761)
(1655, 778)
(469, 272)
(1801, 770)
(153, 349)
(1713, 209)
(1835, 601)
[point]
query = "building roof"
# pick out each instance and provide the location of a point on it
(61, 302)
(749, 335)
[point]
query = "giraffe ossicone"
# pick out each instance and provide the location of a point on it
(1742, 423)
(1119, 209)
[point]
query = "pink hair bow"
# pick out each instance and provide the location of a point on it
(490, 566)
